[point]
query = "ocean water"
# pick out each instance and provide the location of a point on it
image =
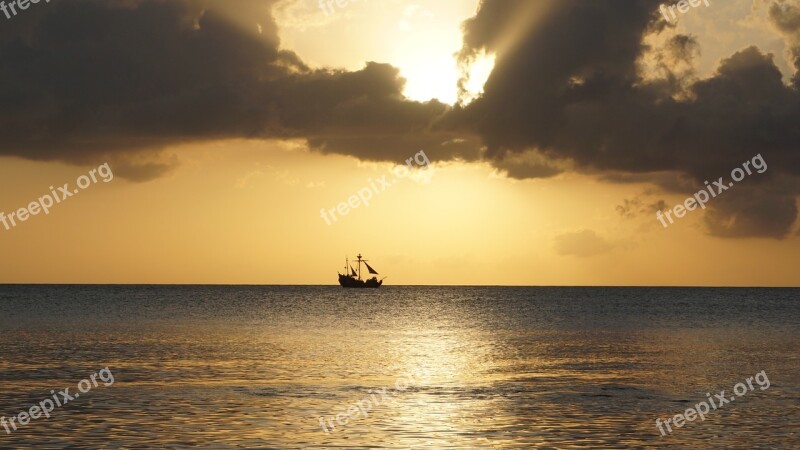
(463, 367)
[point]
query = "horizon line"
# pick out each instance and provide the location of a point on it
(405, 285)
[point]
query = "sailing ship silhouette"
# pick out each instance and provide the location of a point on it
(352, 277)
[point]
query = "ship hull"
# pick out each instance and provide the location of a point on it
(352, 282)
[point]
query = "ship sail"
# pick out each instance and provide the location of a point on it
(353, 271)
(371, 270)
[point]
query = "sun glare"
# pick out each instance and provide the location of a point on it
(478, 74)
(432, 79)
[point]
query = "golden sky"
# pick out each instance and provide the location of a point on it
(225, 209)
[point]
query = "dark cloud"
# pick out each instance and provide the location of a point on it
(89, 78)
(785, 16)
(638, 206)
(570, 87)
(122, 79)
(528, 165)
(753, 210)
(680, 48)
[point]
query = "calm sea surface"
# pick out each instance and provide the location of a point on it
(497, 367)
